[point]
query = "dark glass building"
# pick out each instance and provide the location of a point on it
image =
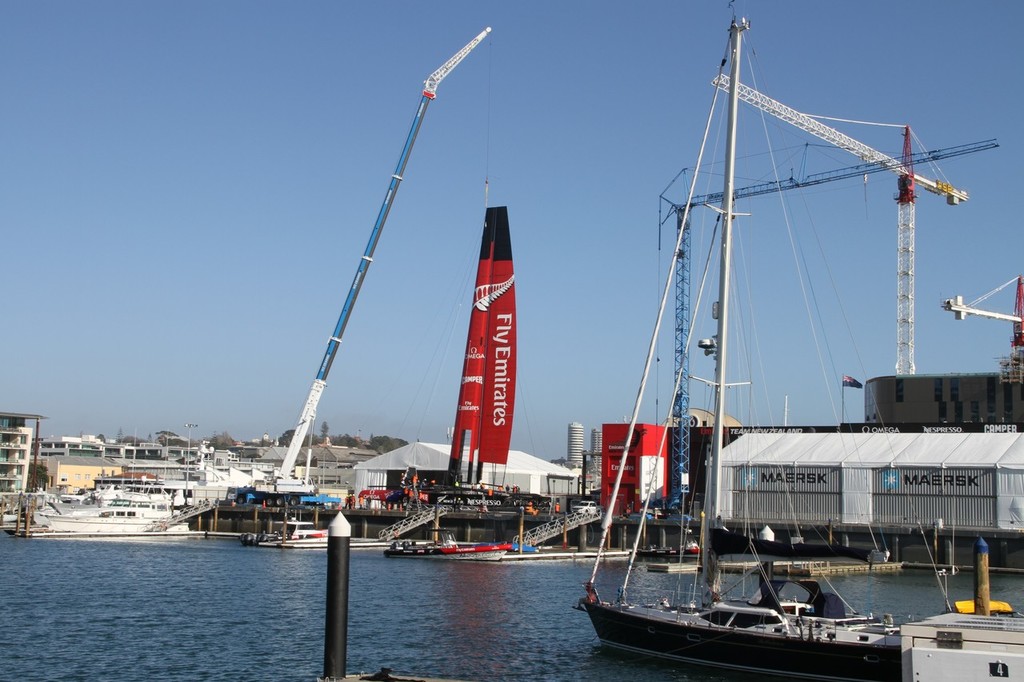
(944, 398)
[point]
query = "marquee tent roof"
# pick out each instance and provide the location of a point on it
(434, 457)
(878, 449)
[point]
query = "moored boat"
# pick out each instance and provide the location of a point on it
(132, 512)
(793, 629)
(447, 548)
(297, 535)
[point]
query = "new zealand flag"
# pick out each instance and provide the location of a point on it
(851, 382)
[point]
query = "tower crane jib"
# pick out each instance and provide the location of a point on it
(906, 215)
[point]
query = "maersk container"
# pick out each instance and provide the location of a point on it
(923, 481)
(927, 510)
(787, 478)
(785, 507)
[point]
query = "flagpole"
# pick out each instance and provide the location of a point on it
(842, 413)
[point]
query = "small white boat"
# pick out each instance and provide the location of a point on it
(297, 535)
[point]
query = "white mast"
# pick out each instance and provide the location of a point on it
(711, 519)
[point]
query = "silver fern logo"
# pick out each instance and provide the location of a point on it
(489, 293)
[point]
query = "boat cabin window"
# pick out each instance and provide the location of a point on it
(720, 617)
(749, 620)
(743, 620)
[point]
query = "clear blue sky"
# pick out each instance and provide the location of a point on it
(187, 187)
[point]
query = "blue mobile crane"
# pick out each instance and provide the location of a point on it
(285, 487)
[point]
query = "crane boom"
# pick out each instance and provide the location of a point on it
(1011, 367)
(860, 170)
(831, 135)
(956, 306)
(284, 481)
(908, 180)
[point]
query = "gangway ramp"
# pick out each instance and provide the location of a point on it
(409, 522)
(574, 519)
(185, 514)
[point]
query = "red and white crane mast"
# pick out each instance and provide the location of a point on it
(907, 184)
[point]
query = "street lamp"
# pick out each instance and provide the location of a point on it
(188, 453)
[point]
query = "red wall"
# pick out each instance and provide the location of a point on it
(646, 442)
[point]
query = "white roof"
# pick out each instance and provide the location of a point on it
(434, 457)
(875, 450)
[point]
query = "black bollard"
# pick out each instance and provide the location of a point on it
(339, 535)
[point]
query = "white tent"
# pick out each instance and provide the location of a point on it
(530, 473)
(975, 479)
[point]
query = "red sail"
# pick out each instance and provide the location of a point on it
(483, 420)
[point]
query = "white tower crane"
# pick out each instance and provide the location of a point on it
(905, 232)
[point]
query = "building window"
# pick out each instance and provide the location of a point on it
(990, 397)
(899, 390)
(958, 412)
(954, 389)
(975, 411)
(942, 411)
(1007, 402)
(938, 390)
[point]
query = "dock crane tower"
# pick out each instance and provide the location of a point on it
(1013, 366)
(680, 464)
(907, 183)
(285, 483)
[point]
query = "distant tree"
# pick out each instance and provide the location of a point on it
(38, 476)
(103, 439)
(169, 438)
(325, 431)
(286, 437)
(222, 441)
(384, 444)
(120, 436)
(346, 441)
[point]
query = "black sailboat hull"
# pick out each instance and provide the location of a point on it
(631, 629)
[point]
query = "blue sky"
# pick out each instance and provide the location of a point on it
(187, 187)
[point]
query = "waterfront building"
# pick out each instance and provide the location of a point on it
(17, 435)
(71, 473)
(944, 398)
(95, 446)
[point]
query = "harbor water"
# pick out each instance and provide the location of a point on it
(194, 610)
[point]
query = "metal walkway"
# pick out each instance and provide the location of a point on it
(409, 522)
(185, 514)
(580, 517)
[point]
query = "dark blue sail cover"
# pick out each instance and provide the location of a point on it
(823, 604)
(724, 543)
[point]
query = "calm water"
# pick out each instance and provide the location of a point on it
(197, 610)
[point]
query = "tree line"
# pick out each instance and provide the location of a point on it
(224, 440)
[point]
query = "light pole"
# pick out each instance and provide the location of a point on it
(188, 452)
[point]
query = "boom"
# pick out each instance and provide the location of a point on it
(831, 135)
(908, 180)
(285, 482)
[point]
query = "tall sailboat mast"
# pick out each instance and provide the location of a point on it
(711, 516)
